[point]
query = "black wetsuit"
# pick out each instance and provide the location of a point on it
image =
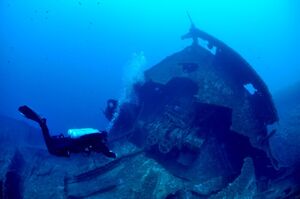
(63, 146)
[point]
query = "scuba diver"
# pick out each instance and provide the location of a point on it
(62, 146)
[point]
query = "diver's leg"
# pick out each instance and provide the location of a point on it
(30, 114)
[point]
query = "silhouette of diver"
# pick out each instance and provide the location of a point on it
(63, 146)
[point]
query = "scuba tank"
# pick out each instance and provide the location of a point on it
(77, 133)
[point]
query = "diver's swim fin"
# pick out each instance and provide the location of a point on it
(30, 114)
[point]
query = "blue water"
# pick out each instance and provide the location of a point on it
(66, 58)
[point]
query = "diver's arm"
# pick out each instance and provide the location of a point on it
(107, 152)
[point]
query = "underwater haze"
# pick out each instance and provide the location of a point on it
(66, 58)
